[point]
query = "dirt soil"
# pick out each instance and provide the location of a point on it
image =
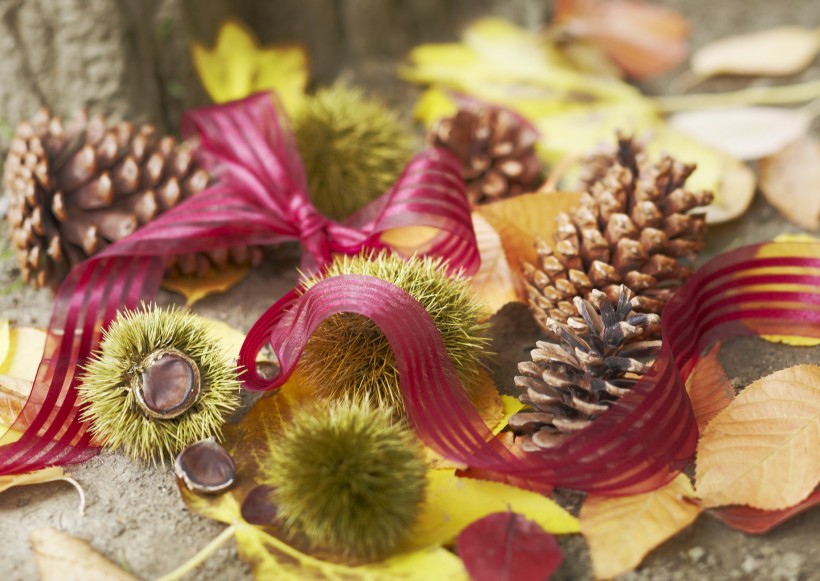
(134, 515)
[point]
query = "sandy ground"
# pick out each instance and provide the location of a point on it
(135, 517)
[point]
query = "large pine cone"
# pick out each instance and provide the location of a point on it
(496, 150)
(73, 190)
(601, 353)
(632, 227)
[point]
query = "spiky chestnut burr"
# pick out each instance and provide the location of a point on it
(348, 478)
(348, 356)
(353, 149)
(159, 382)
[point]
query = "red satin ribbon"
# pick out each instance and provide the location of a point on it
(640, 443)
(259, 199)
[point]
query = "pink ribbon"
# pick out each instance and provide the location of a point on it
(259, 199)
(641, 443)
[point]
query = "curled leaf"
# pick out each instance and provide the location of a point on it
(763, 450)
(757, 522)
(789, 181)
(61, 557)
(621, 531)
(785, 50)
(643, 39)
(494, 283)
(507, 546)
(744, 132)
(709, 389)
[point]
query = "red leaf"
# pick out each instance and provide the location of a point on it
(756, 521)
(506, 546)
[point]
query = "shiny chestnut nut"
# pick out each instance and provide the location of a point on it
(205, 467)
(168, 385)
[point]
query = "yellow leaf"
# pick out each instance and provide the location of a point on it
(522, 219)
(789, 179)
(25, 349)
(237, 67)
(763, 450)
(494, 283)
(785, 50)
(272, 558)
(61, 557)
(485, 398)
(433, 105)
(452, 503)
(5, 340)
(196, 288)
(621, 531)
(229, 338)
(51, 474)
(39, 477)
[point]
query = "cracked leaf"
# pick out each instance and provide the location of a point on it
(493, 284)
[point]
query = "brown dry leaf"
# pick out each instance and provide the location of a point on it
(494, 283)
(789, 181)
(785, 50)
(763, 450)
(643, 39)
(61, 557)
(196, 288)
(621, 531)
(522, 219)
(709, 389)
(746, 133)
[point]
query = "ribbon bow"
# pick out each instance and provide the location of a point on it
(259, 198)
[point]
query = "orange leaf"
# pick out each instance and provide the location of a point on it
(196, 288)
(789, 181)
(494, 283)
(641, 38)
(522, 219)
(763, 450)
(709, 388)
(621, 531)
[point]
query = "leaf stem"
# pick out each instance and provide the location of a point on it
(781, 95)
(201, 556)
(80, 491)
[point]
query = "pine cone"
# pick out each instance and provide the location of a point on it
(496, 150)
(75, 189)
(631, 228)
(600, 355)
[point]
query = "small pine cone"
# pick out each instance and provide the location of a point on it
(601, 352)
(632, 226)
(496, 150)
(75, 189)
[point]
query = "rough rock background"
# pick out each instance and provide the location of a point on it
(129, 59)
